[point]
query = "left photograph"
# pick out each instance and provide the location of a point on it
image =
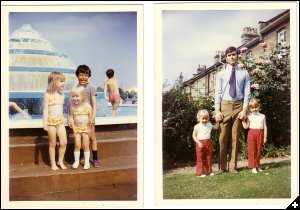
(74, 103)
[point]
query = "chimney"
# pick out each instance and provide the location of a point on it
(249, 34)
(262, 24)
(180, 78)
(201, 68)
(218, 57)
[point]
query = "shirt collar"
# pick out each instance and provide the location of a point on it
(228, 66)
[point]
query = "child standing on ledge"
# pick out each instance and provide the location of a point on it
(83, 73)
(53, 118)
(80, 114)
(112, 86)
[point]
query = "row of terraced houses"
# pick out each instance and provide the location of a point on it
(272, 32)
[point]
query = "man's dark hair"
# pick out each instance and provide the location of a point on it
(230, 50)
(83, 69)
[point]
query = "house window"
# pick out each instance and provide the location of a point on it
(281, 41)
(281, 36)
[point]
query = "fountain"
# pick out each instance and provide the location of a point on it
(31, 59)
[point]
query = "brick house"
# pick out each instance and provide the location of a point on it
(274, 31)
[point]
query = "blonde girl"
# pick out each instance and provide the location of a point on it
(202, 138)
(257, 134)
(80, 118)
(53, 118)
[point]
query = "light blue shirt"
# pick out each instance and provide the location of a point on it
(242, 86)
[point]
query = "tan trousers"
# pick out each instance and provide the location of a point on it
(230, 127)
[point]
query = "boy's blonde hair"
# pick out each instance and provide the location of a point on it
(53, 79)
(202, 113)
(254, 103)
(80, 91)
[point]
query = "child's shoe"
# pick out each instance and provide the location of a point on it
(212, 174)
(75, 165)
(86, 166)
(203, 175)
(259, 170)
(96, 163)
(254, 171)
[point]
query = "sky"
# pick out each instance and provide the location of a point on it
(191, 38)
(100, 40)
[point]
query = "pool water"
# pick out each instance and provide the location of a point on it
(32, 103)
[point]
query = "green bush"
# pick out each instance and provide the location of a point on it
(179, 113)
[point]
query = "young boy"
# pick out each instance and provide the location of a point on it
(83, 73)
(112, 86)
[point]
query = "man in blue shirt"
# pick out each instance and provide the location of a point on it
(232, 94)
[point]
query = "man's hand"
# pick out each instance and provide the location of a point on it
(219, 116)
(243, 115)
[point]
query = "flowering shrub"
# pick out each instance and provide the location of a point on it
(270, 82)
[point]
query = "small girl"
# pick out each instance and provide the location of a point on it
(201, 136)
(53, 118)
(80, 118)
(257, 135)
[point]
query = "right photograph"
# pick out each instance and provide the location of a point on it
(225, 78)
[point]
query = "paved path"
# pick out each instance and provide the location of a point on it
(241, 164)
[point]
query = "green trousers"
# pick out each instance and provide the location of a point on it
(230, 129)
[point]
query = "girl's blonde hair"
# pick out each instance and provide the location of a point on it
(80, 91)
(253, 103)
(53, 79)
(202, 113)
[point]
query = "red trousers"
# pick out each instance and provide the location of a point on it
(204, 158)
(255, 141)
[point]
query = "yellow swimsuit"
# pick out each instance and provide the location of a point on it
(82, 128)
(58, 121)
(56, 100)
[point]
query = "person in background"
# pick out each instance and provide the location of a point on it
(15, 106)
(112, 86)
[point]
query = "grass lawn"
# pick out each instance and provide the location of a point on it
(274, 182)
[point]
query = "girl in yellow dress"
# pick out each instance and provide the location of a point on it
(81, 116)
(53, 118)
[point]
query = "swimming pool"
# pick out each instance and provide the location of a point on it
(32, 102)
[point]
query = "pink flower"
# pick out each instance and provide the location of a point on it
(255, 86)
(243, 49)
(263, 44)
(263, 62)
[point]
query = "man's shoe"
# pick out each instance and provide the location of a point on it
(233, 171)
(219, 172)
